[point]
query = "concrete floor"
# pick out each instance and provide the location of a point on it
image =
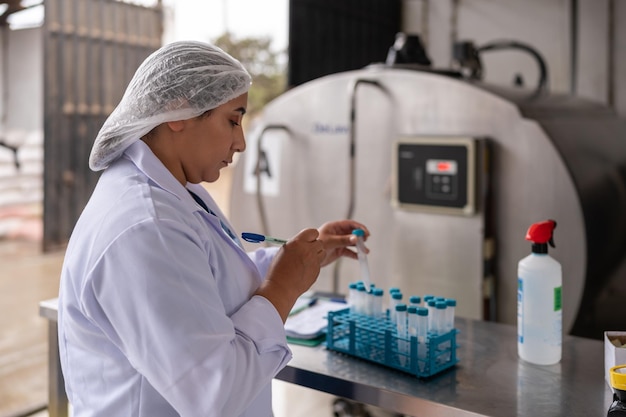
(27, 276)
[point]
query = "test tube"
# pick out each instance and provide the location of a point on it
(401, 319)
(396, 298)
(411, 314)
(450, 313)
(352, 296)
(440, 317)
(371, 298)
(392, 290)
(367, 300)
(421, 330)
(422, 323)
(377, 305)
(431, 306)
(412, 320)
(401, 327)
(442, 308)
(360, 298)
(362, 256)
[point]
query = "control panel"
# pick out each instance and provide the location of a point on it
(435, 174)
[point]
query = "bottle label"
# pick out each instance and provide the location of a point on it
(557, 299)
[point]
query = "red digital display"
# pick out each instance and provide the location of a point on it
(443, 166)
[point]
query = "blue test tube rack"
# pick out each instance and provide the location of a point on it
(376, 339)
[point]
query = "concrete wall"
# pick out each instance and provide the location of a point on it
(619, 52)
(26, 79)
(598, 71)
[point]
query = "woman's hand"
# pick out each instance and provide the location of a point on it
(294, 269)
(337, 237)
(297, 264)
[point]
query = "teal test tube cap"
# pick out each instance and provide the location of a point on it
(358, 232)
(415, 299)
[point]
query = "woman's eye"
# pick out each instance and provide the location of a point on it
(234, 123)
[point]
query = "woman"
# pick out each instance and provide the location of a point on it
(161, 312)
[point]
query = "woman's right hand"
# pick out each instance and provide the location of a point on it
(294, 269)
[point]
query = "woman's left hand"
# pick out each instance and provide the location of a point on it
(337, 237)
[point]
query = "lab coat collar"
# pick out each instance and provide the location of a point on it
(146, 161)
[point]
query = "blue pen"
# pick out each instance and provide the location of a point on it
(258, 238)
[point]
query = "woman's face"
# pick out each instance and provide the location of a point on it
(208, 142)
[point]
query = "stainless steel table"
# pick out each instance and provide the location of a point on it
(57, 398)
(489, 380)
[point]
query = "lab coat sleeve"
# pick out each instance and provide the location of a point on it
(155, 296)
(262, 258)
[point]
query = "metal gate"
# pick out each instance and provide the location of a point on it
(91, 51)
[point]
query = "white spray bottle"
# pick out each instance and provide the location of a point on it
(539, 309)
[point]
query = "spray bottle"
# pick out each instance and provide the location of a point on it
(539, 311)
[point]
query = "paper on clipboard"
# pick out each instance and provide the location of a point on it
(312, 321)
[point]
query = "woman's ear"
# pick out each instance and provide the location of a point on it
(176, 126)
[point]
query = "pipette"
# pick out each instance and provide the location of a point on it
(258, 238)
(362, 255)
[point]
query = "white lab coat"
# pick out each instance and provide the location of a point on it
(156, 309)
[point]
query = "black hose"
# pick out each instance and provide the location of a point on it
(543, 69)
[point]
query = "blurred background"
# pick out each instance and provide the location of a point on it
(64, 65)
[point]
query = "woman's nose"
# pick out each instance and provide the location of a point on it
(240, 142)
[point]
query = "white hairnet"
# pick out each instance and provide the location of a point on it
(179, 81)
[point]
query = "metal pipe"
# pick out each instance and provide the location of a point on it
(257, 173)
(611, 55)
(454, 27)
(425, 27)
(574, 46)
(352, 88)
(352, 174)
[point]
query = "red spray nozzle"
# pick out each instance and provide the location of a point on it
(541, 232)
